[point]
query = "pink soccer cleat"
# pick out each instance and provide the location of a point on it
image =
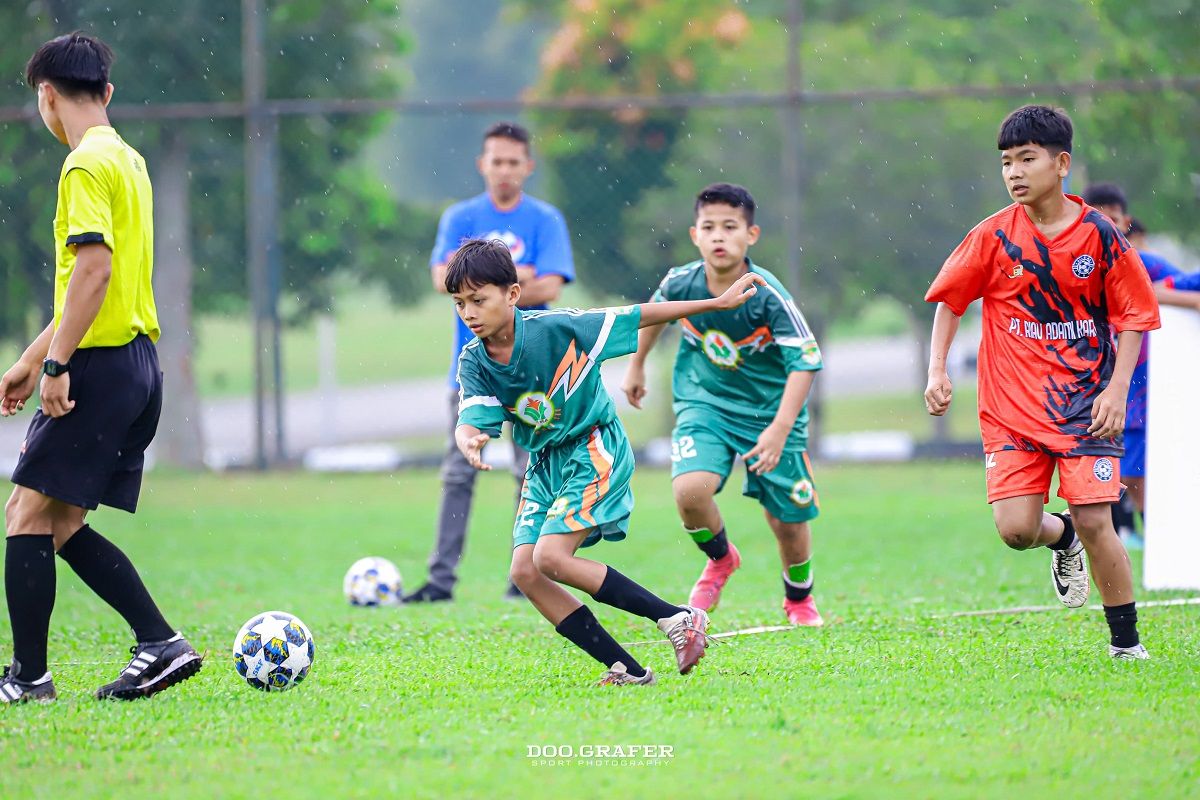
(803, 612)
(707, 591)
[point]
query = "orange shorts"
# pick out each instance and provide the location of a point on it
(1081, 479)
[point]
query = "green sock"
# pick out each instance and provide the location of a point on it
(798, 581)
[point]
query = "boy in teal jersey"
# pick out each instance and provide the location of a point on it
(540, 370)
(741, 384)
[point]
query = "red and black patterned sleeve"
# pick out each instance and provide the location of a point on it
(1132, 305)
(964, 276)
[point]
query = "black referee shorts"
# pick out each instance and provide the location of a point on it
(95, 453)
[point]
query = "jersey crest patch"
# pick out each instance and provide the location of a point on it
(810, 353)
(1083, 266)
(802, 493)
(721, 350)
(534, 409)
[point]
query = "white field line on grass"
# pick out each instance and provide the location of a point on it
(990, 612)
(993, 612)
(724, 634)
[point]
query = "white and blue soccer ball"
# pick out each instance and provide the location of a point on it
(273, 651)
(372, 582)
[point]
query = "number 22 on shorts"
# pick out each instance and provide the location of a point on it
(528, 509)
(683, 447)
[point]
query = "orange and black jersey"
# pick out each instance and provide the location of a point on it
(1050, 311)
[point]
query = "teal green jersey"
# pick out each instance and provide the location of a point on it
(551, 389)
(738, 361)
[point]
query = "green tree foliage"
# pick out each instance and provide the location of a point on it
(334, 213)
(603, 163)
(889, 188)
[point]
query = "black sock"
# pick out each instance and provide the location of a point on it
(1122, 624)
(1122, 513)
(585, 632)
(714, 546)
(796, 592)
(620, 592)
(111, 575)
(29, 586)
(1068, 534)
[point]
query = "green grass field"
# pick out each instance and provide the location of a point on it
(886, 701)
(901, 412)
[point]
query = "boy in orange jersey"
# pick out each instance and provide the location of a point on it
(1057, 279)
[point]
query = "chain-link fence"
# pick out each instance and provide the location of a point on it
(861, 195)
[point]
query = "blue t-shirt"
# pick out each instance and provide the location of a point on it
(534, 230)
(1159, 268)
(1135, 407)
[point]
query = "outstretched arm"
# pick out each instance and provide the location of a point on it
(939, 391)
(1168, 296)
(470, 441)
(657, 313)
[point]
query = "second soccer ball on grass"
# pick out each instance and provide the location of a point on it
(372, 582)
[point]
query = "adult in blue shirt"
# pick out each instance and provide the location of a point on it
(537, 237)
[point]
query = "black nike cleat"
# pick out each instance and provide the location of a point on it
(13, 690)
(155, 666)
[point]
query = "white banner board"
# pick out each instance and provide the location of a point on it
(1172, 557)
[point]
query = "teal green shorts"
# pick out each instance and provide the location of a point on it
(706, 441)
(579, 486)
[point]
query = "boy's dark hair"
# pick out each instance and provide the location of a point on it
(478, 263)
(1049, 127)
(508, 130)
(1136, 227)
(1105, 194)
(76, 64)
(729, 194)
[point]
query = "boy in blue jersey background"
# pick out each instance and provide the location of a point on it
(1173, 287)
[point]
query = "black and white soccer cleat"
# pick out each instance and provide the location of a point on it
(155, 666)
(1069, 574)
(14, 690)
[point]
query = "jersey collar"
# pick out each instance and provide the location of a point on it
(1066, 234)
(487, 197)
(99, 130)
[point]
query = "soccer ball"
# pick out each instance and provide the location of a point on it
(273, 651)
(372, 582)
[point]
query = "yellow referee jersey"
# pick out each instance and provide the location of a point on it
(104, 196)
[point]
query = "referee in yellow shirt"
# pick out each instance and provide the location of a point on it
(101, 387)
